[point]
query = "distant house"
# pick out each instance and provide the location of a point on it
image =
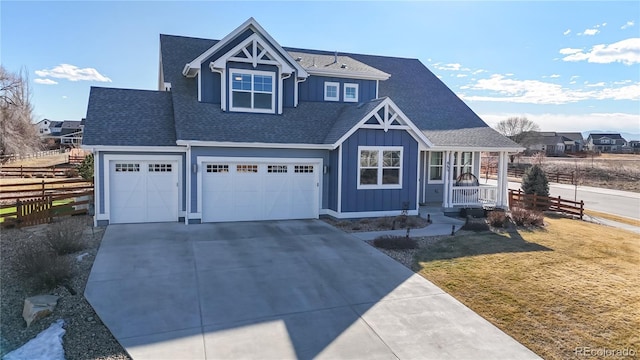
(55, 127)
(42, 127)
(635, 146)
(71, 132)
(553, 143)
(606, 142)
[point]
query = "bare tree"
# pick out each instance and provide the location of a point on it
(18, 134)
(517, 128)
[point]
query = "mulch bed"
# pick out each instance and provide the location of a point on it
(400, 222)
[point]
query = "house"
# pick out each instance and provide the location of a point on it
(553, 143)
(71, 132)
(55, 128)
(42, 127)
(605, 142)
(244, 129)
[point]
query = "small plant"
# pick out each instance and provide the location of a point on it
(525, 217)
(384, 223)
(41, 266)
(497, 219)
(390, 242)
(85, 169)
(71, 173)
(65, 237)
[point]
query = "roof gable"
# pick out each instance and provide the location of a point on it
(251, 24)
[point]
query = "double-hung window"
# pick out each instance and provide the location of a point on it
(379, 167)
(436, 166)
(331, 91)
(252, 91)
(350, 93)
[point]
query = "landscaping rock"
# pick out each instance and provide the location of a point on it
(37, 307)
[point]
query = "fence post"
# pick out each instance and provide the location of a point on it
(42, 187)
(558, 205)
(20, 170)
(581, 209)
(18, 211)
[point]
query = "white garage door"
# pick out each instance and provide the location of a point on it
(143, 191)
(234, 191)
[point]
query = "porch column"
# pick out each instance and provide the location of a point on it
(503, 181)
(448, 190)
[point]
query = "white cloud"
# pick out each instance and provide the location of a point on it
(73, 73)
(621, 122)
(44, 81)
(569, 51)
(604, 24)
(628, 25)
(553, 76)
(449, 67)
(479, 71)
(624, 51)
(590, 32)
(600, 84)
(461, 75)
(502, 89)
(567, 32)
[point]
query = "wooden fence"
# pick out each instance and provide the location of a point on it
(39, 154)
(31, 204)
(543, 203)
(557, 177)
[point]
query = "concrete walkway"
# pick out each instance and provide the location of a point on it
(440, 225)
(276, 290)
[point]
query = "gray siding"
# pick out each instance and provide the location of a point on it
(258, 153)
(355, 200)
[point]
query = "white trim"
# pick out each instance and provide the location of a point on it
(126, 157)
(380, 167)
(363, 214)
(419, 135)
(339, 206)
(425, 175)
(377, 86)
(251, 22)
(475, 148)
(346, 86)
(418, 182)
(347, 75)
(331, 98)
(253, 58)
(136, 148)
(255, 145)
(187, 203)
(428, 160)
(252, 73)
(96, 185)
(199, 87)
(207, 159)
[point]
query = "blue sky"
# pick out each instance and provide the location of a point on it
(569, 66)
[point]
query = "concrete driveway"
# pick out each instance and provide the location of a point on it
(276, 290)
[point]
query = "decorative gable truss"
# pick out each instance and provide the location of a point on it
(254, 50)
(388, 116)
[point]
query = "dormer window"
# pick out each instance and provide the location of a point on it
(331, 91)
(350, 93)
(252, 91)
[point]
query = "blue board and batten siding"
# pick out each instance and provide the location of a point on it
(250, 153)
(313, 88)
(361, 200)
(332, 186)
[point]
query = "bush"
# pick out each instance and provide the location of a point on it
(497, 219)
(534, 181)
(474, 224)
(384, 223)
(395, 242)
(524, 217)
(37, 263)
(65, 237)
(71, 173)
(86, 168)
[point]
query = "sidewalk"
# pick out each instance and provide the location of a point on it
(440, 225)
(619, 225)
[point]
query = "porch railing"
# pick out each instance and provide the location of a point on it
(483, 195)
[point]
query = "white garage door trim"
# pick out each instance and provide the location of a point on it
(202, 161)
(106, 170)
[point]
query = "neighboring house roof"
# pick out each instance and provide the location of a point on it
(71, 124)
(436, 111)
(575, 136)
(56, 124)
(111, 122)
(610, 136)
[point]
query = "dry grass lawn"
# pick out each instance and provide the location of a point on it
(572, 284)
(621, 219)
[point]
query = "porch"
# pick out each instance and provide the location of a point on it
(440, 171)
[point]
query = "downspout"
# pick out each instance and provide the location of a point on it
(223, 95)
(295, 93)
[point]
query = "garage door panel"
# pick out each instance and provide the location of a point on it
(266, 191)
(143, 191)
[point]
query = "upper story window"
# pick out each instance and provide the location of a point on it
(252, 91)
(380, 167)
(331, 91)
(350, 93)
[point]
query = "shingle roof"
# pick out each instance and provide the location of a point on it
(430, 104)
(335, 63)
(129, 118)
